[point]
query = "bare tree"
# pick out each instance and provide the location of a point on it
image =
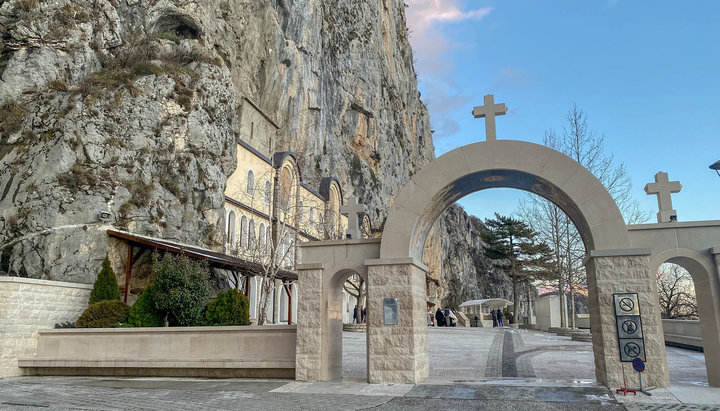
(676, 292)
(586, 147)
(355, 286)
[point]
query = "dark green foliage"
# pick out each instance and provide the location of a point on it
(182, 289)
(106, 285)
(143, 313)
(105, 314)
(66, 324)
(229, 308)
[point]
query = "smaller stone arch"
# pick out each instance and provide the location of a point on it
(702, 270)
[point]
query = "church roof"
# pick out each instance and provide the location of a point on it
(214, 259)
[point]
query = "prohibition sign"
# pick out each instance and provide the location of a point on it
(638, 365)
(627, 304)
(631, 349)
(629, 326)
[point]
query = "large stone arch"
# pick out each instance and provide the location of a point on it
(613, 266)
(497, 164)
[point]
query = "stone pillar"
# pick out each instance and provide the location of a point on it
(712, 342)
(309, 323)
(397, 353)
(624, 272)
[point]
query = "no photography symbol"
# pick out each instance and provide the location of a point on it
(632, 349)
(626, 304)
(629, 326)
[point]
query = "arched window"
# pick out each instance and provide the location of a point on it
(285, 188)
(251, 235)
(250, 187)
(268, 236)
(311, 217)
(231, 229)
(268, 191)
(243, 232)
(300, 211)
(262, 238)
(320, 227)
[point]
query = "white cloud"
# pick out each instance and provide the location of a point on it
(425, 20)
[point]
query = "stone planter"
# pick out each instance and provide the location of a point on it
(250, 351)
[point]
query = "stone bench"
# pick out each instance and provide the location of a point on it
(249, 351)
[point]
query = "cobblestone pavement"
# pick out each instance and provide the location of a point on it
(469, 370)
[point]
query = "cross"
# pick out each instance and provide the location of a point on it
(352, 208)
(663, 189)
(489, 111)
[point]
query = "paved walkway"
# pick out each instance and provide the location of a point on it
(499, 369)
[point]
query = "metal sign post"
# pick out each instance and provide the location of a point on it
(630, 336)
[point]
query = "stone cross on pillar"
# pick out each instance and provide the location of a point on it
(489, 111)
(354, 212)
(663, 188)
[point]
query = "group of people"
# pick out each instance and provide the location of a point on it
(497, 317)
(442, 319)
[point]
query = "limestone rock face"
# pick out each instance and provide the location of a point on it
(455, 254)
(130, 107)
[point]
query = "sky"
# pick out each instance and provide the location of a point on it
(646, 74)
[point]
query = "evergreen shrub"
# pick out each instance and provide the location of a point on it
(229, 308)
(182, 289)
(143, 312)
(106, 285)
(105, 314)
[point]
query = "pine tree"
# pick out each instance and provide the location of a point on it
(106, 285)
(512, 247)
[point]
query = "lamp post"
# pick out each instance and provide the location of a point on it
(716, 166)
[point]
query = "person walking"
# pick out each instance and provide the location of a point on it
(447, 317)
(494, 317)
(439, 318)
(500, 318)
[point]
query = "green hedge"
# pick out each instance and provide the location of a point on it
(143, 313)
(105, 314)
(229, 308)
(106, 285)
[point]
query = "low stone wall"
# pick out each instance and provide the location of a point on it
(250, 351)
(683, 333)
(28, 305)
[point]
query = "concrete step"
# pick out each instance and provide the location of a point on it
(357, 328)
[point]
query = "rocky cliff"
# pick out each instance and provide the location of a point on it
(130, 108)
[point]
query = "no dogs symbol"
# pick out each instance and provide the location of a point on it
(629, 327)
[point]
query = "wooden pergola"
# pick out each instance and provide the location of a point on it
(137, 244)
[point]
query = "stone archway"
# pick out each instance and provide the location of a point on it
(612, 265)
(702, 271)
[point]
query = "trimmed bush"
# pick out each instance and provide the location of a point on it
(143, 313)
(182, 289)
(105, 314)
(229, 308)
(106, 285)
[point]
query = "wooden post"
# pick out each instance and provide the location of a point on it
(128, 272)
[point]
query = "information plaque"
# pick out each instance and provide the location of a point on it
(629, 327)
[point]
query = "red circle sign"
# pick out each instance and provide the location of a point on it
(638, 365)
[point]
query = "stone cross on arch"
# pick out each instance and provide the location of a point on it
(663, 189)
(354, 211)
(489, 110)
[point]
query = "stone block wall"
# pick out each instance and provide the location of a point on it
(309, 325)
(625, 274)
(28, 305)
(397, 353)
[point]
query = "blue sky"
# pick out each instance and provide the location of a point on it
(646, 73)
